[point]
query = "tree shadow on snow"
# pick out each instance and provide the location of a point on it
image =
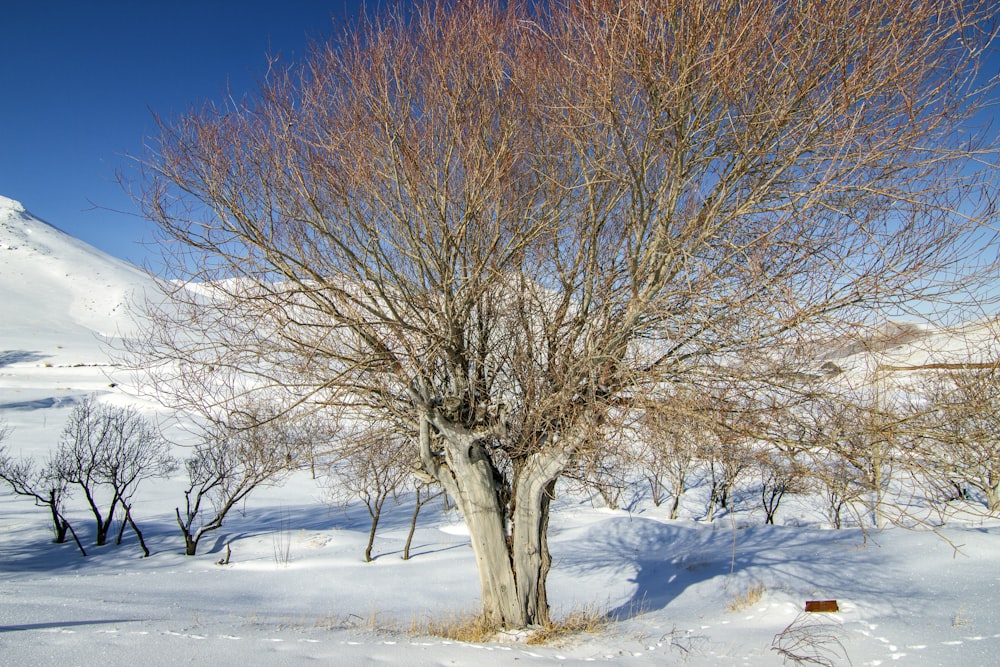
(63, 624)
(9, 357)
(666, 559)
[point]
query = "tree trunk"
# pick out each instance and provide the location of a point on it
(103, 524)
(655, 489)
(468, 476)
(993, 499)
(675, 506)
(190, 540)
(413, 520)
(76, 539)
(478, 499)
(135, 528)
(680, 482)
(59, 525)
(121, 529)
(534, 487)
(512, 566)
(63, 526)
(375, 511)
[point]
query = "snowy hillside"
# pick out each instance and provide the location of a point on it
(297, 590)
(56, 285)
(61, 301)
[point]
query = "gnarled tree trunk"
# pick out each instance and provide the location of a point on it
(507, 521)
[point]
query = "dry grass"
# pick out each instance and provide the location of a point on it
(473, 628)
(470, 627)
(584, 621)
(747, 599)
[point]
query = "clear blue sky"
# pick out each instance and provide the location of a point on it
(79, 80)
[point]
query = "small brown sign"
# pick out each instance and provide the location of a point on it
(822, 605)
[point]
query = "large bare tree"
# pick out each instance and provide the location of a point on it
(491, 224)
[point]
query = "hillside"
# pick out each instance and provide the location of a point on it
(61, 302)
(55, 286)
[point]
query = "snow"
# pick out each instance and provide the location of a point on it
(297, 590)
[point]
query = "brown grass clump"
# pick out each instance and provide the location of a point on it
(583, 621)
(469, 628)
(748, 599)
(473, 628)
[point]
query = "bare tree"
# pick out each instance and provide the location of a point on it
(609, 470)
(43, 486)
(494, 223)
(780, 473)
(247, 449)
(672, 433)
(374, 468)
(960, 440)
(727, 457)
(425, 490)
(107, 451)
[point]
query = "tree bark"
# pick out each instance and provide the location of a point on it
(468, 476)
(534, 487)
(513, 561)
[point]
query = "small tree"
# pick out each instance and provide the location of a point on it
(425, 490)
(107, 451)
(609, 472)
(780, 473)
(672, 432)
(728, 453)
(374, 468)
(847, 438)
(249, 449)
(961, 433)
(42, 485)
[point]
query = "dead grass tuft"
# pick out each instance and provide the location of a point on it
(748, 598)
(469, 628)
(473, 628)
(583, 621)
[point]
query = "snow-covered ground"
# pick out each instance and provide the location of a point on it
(297, 590)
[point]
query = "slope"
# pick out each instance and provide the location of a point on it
(57, 290)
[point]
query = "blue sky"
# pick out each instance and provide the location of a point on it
(79, 81)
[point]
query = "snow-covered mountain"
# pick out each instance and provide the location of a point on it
(62, 304)
(56, 288)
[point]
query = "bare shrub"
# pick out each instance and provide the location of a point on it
(960, 434)
(672, 432)
(40, 483)
(248, 449)
(373, 468)
(809, 640)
